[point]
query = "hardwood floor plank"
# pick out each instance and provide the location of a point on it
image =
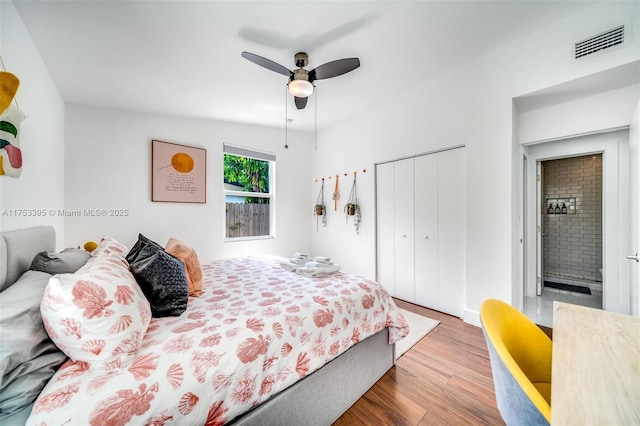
(391, 404)
(445, 379)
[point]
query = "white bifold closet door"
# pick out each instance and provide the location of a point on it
(427, 235)
(421, 229)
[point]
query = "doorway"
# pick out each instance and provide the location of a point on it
(573, 245)
(570, 208)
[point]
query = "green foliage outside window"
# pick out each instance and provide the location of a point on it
(251, 174)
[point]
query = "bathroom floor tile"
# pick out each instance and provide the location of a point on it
(540, 308)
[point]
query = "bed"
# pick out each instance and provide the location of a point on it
(309, 347)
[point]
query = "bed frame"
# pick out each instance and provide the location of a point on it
(18, 248)
(322, 397)
(318, 399)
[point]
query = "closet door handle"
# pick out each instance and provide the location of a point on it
(632, 257)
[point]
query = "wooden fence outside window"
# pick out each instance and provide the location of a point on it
(247, 220)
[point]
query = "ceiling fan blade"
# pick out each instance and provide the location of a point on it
(300, 102)
(334, 68)
(267, 63)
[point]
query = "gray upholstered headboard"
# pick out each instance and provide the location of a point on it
(18, 248)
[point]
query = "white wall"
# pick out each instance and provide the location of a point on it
(41, 185)
(607, 110)
(471, 105)
(108, 166)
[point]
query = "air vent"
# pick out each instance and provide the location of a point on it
(598, 43)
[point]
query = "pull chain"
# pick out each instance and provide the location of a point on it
(286, 118)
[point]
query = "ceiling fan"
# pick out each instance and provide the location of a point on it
(301, 81)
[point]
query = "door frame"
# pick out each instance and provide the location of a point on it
(539, 229)
(614, 146)
(634, 191)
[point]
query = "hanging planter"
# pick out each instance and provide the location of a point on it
(352, 209)
(319, 210)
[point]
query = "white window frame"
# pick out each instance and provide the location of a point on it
(257, 155)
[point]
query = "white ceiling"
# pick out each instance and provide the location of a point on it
(183, 58)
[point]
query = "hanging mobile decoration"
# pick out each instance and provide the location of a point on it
(319, 209)
(335, 196)
(10, 118)
(352, 208)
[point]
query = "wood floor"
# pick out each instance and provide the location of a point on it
(445, 379)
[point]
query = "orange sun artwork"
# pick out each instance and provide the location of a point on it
(182, 162)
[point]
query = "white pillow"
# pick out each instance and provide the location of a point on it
(98, 315)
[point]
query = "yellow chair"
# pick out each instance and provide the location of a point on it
(520, 354)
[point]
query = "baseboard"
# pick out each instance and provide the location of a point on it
(471, 317)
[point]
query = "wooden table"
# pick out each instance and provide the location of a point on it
(595, 373)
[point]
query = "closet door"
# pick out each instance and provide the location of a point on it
(451, 230)
(426, 231)
(404, 229)
(385, 223)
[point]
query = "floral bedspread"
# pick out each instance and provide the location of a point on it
(254, 331)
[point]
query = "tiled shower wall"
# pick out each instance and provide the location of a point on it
(572, 247)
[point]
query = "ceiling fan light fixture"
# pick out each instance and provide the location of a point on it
(301, 81)
(300, 88)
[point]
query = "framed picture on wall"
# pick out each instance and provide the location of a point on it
(178, 173)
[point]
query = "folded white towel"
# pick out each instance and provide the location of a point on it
(311, 267)
(289, 266)
(318, 271)
(299, 261)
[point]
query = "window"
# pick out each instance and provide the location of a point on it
(249, 193)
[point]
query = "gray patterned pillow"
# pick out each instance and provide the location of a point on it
(139, 245)
(162, 279)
